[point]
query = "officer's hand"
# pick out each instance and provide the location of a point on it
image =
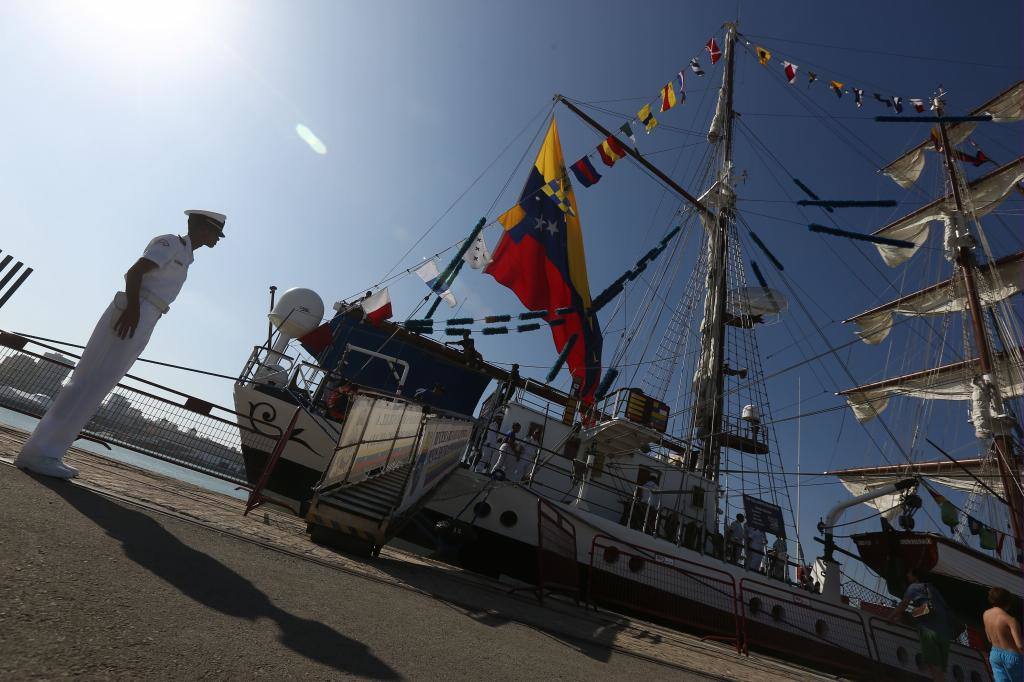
(127, 322)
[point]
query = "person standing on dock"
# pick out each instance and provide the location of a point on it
(1003, 631)
(120, 336)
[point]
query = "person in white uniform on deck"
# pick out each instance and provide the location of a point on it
(118, 339)
(755, 548)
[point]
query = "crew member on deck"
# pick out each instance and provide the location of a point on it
(118, 339)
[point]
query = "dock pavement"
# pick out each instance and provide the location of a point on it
(128, 574)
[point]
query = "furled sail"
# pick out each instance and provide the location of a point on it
(984, 195)
(956, 381)
(957, 476)
(996, 282)
(718, 198)
(1004, 108)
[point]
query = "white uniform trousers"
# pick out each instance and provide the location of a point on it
(105, 361)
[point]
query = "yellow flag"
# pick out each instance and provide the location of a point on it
(763, 55)
(647, 118)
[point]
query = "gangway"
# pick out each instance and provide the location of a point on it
(391, 455)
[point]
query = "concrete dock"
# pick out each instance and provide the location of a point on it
(127, 574)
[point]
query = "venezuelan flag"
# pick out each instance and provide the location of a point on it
(540, 258)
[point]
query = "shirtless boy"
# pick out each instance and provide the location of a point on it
(1003, 630)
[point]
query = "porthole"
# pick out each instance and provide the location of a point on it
(958, 673)
(508, 518)
(482, 510)
(755, 606)
(821, 628)
(778, 613)
(636, 564)
(918, 661)
(611, 555)
(901, 655)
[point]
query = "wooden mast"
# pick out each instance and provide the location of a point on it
(712, 445)
(965, 262)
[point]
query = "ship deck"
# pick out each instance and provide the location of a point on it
(127, 573)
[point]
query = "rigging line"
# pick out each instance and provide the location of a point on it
(631, 117)
(146, 360)
(827, 120)
(874, 266)
(408, 271)
(471, 185)
(849, 78)
(879, 52)
(633, 99)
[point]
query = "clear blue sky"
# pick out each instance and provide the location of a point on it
(120, 115)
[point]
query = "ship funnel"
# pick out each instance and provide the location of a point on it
(298, 312)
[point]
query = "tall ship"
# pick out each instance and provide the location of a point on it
(623, 489)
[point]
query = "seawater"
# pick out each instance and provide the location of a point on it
(158, 466)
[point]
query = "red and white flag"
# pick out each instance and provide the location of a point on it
(790, 70)
(377, 306)
(918, 104)
(714, 51)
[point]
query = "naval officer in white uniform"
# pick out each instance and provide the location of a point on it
(151, 285)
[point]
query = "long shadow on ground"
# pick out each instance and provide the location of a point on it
(213, 584)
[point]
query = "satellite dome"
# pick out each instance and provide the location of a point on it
(298, 312)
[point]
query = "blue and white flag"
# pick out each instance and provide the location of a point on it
(431, 276)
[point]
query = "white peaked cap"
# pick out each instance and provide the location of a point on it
(218, 218)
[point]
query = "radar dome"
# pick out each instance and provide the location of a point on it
(297, 312)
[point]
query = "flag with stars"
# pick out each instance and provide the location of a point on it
(540, 258)
(478, 256)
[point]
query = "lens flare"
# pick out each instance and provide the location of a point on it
(311, 139)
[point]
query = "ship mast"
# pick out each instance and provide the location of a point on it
(713, 328)
(966, 264)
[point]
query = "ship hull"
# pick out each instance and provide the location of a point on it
(683, 588)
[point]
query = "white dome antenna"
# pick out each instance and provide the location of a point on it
(298, 312)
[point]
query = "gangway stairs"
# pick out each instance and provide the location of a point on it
(358, 516)
(391, 455)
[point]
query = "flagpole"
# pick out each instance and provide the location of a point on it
(641, 160)
(452, 271)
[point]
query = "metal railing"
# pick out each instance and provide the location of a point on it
(156, 420)
(668, 588)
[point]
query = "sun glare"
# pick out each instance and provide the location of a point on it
(140, 28)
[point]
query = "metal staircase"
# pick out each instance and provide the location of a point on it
(358, 516)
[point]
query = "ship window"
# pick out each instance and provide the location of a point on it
(958, 673)
(901, 655)
(611, 555)
(508, 518)
(918, 661)
(778, 613)
(636, 563)
(821, 628)
(755, 606)
(482, 510)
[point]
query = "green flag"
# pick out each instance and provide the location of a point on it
(950, 517)
(987, 537)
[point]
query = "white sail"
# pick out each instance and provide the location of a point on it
(983, 196)
(1004, 108)
(996, 282)
(956, 381)
(907, 169)
(963, 475)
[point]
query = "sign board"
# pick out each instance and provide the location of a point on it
(377, 431)
(646, 410)
(763, 516)
(441, 445)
